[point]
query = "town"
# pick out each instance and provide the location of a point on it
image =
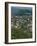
(21, 26)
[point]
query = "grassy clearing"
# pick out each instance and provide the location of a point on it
(20, 34)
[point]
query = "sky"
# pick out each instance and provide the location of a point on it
(21, 10)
